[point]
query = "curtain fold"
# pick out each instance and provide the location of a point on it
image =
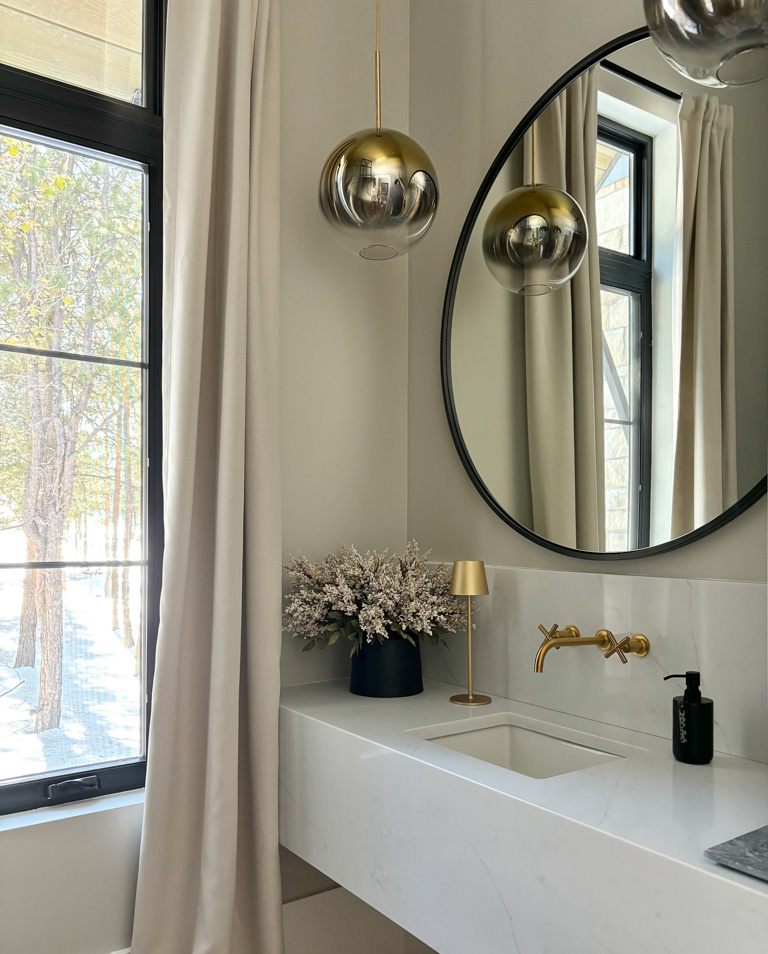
(563, 342)
(209, 877)
(705, 481)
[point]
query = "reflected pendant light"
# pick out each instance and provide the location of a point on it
(535, 238)
(378, 188)
(714, 42)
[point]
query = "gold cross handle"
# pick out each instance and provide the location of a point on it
(613, 646)
(637, 645)
(552, 632)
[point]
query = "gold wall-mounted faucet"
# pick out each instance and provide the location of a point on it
(604, 640)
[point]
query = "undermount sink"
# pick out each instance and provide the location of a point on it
(534, 752)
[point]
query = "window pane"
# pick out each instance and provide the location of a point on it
(617, 488)
(620, 418)
(614, 170)
(616, 310)
(71, 475)
(71, 234)
(96, 44)
(71, 687)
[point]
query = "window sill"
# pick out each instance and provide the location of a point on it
(86, 806)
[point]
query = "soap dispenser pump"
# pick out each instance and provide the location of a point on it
(692, 722)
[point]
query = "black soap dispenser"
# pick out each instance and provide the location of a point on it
(692, 723)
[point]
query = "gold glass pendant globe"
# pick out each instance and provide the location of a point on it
(714, 42)
(378, 189)
(535, 239)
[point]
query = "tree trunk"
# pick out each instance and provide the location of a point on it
(26, 649)
(50, 609)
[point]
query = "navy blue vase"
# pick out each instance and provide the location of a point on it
(387, 669)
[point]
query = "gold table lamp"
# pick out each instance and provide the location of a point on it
(469, 580)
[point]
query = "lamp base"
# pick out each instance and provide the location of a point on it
(474, 700)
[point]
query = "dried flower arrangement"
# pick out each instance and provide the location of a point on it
(371, 596)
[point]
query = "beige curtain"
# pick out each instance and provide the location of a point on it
(705, 451)
(209, 880)
(563, 342)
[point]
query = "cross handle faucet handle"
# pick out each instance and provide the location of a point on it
(614, 647)
(552, 632)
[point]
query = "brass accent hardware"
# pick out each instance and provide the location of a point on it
(377, 58)
(469, 580)
(604, 640)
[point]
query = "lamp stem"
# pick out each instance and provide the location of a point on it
(533, 153)
(469, 648)
(378, 73)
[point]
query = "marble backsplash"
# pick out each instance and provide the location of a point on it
(717, 627)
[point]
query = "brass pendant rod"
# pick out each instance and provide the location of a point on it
(378, 73)
(469, 648)
(533, 153)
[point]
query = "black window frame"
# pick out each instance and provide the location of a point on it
(633, 273)
(36, 104)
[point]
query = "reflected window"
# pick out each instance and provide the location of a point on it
(614, 206)
(623, 208)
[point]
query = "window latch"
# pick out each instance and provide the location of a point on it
(86, 785)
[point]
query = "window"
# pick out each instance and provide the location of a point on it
(80, 493)
(623, 208)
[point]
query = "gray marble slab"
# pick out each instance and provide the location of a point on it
(747, 853)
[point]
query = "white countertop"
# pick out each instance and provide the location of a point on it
(648, 799)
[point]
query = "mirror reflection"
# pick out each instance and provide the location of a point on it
(628, 407)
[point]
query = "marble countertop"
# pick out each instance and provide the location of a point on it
(646, 799)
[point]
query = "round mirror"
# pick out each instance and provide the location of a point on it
(625, 413)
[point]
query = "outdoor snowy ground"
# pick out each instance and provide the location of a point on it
(101, 698)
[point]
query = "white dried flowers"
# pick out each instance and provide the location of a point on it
(370, 597)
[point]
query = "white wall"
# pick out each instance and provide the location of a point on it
(477, 66)
(345, 320)
(68, 877)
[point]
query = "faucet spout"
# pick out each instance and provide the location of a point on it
(602, 643)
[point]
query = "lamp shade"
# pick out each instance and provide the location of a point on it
(378, 190)
(535, 239)
(714, 42)
(469, 578)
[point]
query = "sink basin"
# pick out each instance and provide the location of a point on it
(535, 752)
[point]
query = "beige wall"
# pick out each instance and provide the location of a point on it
(476, 67)
(345, 320)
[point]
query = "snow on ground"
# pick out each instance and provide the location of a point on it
(101, 697)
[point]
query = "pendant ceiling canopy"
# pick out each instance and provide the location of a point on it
(378, 188)
(714, 42)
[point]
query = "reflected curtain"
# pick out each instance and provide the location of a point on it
(705, 449)
(209, 880)
(563, 342)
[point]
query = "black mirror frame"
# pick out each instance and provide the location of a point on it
(725, 517)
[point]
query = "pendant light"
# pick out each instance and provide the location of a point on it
(378, 188)
(535, 238)
(714, 42)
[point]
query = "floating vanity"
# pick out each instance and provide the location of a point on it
(519, 829)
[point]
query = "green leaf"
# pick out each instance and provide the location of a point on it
(333, 638)
(310, 644)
